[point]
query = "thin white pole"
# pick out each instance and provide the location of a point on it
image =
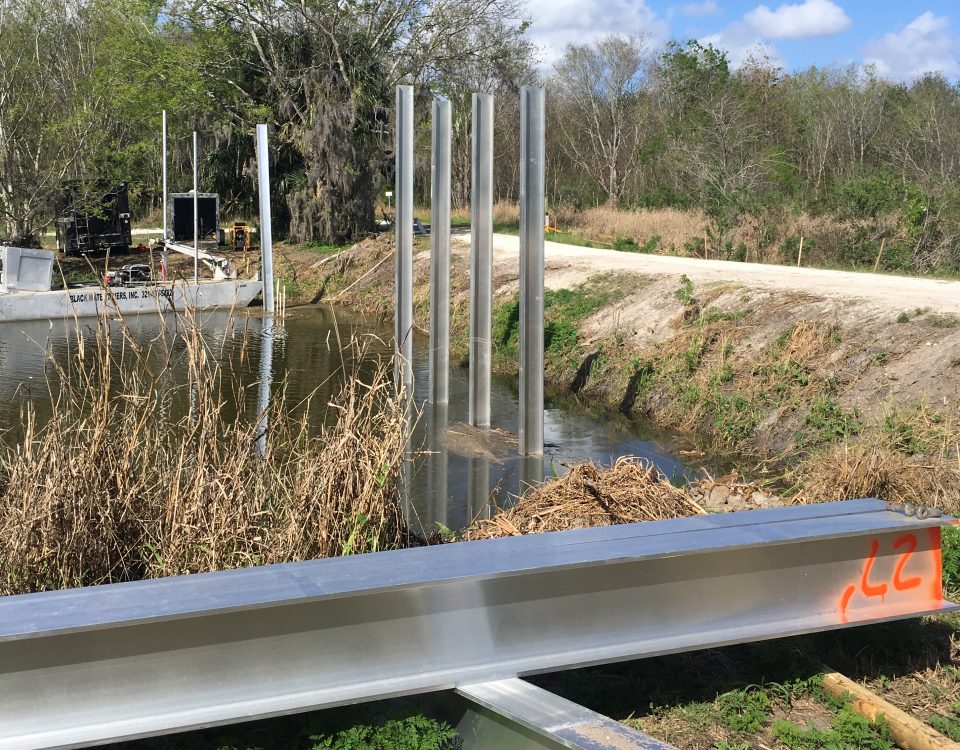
(266, 233)
(404, 219)
(164, 174)
(196, 218)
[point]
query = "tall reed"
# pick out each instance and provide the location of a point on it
(118, 486)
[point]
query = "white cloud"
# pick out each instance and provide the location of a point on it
(557, 23)
(699, 10)
(925, 45)
(741, 43)
(801, 21)
(750, 37)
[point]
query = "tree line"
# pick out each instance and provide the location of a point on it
(631, 125)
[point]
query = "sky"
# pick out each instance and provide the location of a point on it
(902, 40)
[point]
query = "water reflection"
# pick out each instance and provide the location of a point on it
(453, 472)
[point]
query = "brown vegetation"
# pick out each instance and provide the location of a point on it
(118, 486)
(631, 490)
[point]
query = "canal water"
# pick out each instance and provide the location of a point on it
(453, 473)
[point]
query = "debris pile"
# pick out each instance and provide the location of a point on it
(631, 490)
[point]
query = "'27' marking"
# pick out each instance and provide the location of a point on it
(906, 546)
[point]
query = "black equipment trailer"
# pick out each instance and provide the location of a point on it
(93, 220)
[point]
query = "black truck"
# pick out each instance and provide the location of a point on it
(94, 219)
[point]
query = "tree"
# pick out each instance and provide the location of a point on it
(599, 92)
(327, 70)
(48, 111)
(717, 141)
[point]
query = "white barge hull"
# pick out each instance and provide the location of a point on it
(86, 302)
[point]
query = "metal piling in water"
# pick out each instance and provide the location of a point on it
(266, 231)
(481, 259)
(403, 332)
(532, 119)
(440, 255)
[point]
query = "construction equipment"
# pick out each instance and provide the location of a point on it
(222, 267)
(93, 218)
(238, 236)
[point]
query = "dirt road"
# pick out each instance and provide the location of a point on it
(567, 265)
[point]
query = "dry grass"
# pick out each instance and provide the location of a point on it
(631, 490)
(117, 486)
(873, 469)
(673, 226)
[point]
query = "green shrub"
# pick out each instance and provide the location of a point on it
(626, 245)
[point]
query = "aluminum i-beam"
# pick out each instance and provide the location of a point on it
(93, 665)
(515, 714)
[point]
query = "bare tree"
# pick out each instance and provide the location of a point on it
(598, 91)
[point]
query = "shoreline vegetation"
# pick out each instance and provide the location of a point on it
(120, 484)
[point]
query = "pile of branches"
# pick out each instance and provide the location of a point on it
(631, 490)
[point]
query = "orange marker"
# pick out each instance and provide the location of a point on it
(910, 542)
(866, 587)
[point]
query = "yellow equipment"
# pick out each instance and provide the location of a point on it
(238, 236)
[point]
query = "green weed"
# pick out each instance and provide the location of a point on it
(684, 292)
(903, 318)
(948, 725)
(412, 733)
(744, 710)
(831, 422)
(848, 731)
(944, 322)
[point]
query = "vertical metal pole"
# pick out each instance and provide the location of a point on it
(531, 269)
(438, 464)
(266, 232)
(440, 255)
(164, 174)
(196, 222)
(403, 367)
(481, 259)
(263, 395)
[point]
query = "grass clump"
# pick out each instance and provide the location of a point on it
(847, 731)
(744, 710)
(563, 311)
(831, 422)
(684, 292)
(130, 478)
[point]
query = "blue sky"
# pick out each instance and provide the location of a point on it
(902, 40)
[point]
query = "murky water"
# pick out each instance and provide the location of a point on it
(453, 471)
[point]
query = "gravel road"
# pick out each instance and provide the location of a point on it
(568, 264)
